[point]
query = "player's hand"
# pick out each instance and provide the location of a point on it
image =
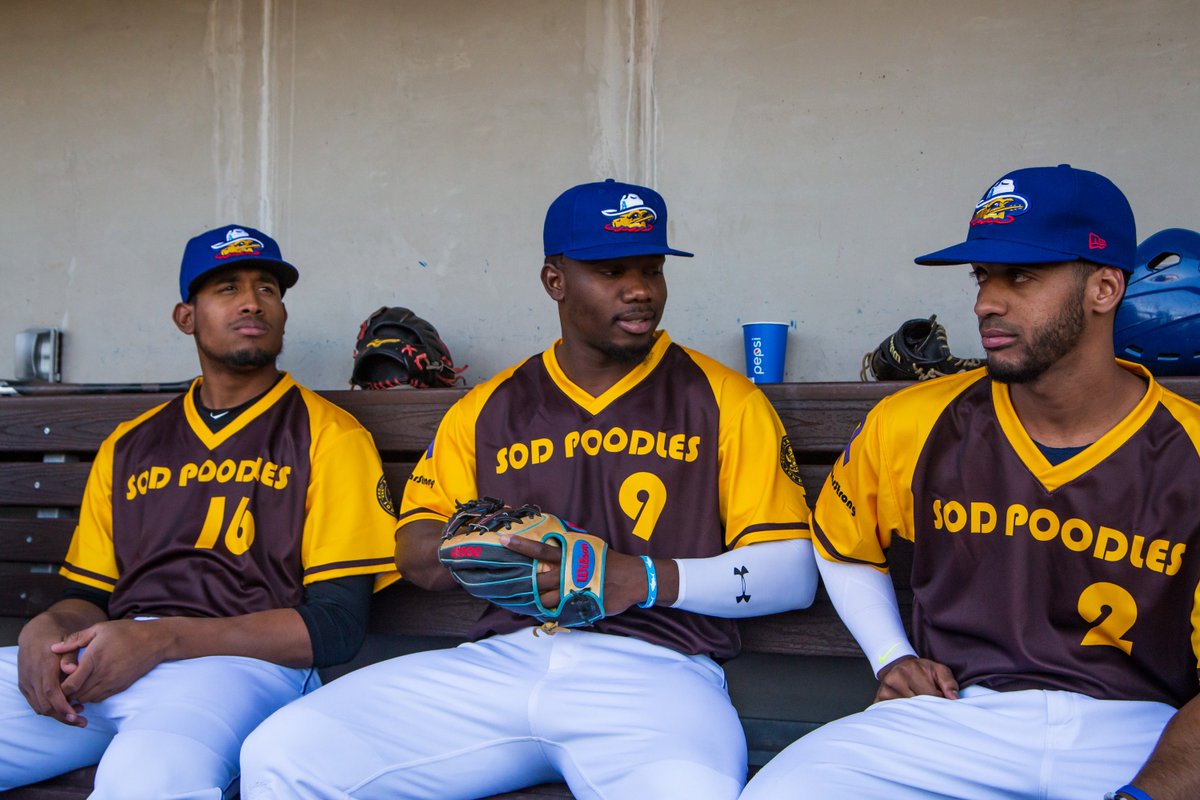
(39, 676)
(910, 676)
(624, 575)
(117, 654)
(549, 560)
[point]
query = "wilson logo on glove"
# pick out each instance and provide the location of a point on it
(584, 558)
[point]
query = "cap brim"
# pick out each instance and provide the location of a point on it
(994, 251)
(285, 273)
(605, 251)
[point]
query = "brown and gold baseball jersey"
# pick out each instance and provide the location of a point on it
(1080, 576)
(682, 458)
(180, 521)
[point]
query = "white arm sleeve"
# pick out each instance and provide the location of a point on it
(763, 578)
(865, 599)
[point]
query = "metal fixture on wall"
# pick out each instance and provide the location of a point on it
(39, 355)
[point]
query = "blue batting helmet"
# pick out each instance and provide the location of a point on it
(1158, 322)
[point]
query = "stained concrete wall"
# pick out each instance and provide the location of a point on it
(404, 153)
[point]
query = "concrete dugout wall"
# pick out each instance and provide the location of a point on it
(404, 153)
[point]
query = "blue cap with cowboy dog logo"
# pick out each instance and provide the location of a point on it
(232, 246)
(1047, 215)
(596, 221)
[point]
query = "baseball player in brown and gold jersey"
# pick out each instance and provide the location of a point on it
(227, 545)
(679, 463)
(1053, 502)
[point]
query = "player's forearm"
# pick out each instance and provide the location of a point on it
(763, 578)
(1173, 770)
(866, 601)
(62, 618)
(279, 636)
(416, 555)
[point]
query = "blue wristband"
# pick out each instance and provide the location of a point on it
(1129, 790)
(652, 586)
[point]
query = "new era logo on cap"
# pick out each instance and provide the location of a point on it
(1046, 215)
(593, 221)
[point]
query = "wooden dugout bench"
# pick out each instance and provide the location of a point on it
(797, 670)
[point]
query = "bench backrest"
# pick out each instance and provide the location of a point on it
(48, 442)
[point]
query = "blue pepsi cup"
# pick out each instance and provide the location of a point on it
(766, 346)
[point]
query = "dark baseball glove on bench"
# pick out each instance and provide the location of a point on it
(917, 351)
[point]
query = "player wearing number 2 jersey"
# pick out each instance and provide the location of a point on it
(659, 450)
(1053, 503)
(227, 545)
(954, 471)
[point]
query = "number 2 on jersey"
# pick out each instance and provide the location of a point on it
(1122, 613)
(643, 496)
(239, 535)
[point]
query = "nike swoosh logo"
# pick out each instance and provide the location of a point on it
(883, 658)
(217, 416)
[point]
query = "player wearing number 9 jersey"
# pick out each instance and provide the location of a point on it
(227, 545)
(1053, 503)
(679, 463)
(650, 464)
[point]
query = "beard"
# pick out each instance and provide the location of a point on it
(627, 355)
(1046, 346)
(247, 358)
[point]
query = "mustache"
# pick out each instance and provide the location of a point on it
(636, 312)
(993, 324)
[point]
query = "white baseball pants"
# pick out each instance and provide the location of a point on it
(174, 734)
(612, 716)
(987, 745)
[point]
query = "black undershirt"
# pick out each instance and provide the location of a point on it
(218, 418)
(334, 611)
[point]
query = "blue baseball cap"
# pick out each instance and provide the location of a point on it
(232, 246)
(1045, 215)
(595, 221)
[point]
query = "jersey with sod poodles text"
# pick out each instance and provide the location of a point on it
(682, 458)
(181, 521)
(1080, 576)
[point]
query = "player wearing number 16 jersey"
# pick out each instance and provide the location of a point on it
(1053, 503)
(679, 463)
(227, 545)
(234, 520)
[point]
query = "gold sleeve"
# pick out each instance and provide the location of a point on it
(349, 519)
(91, 558)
